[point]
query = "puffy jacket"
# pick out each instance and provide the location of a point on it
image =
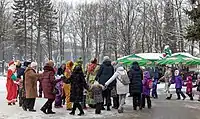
(135, 75)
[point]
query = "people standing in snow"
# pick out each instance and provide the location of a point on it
(48, 86)
(146, 90)
(122, 86)
(178, 85)
(11, 84)
(97, 90)
(67, 84)
(105, 72)
(31, 78)
(78, 84)
(135, 87)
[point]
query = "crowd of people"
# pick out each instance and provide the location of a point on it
(73, 86)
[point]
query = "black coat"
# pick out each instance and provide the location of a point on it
(105, 72)
(60, 71)
(135, 75)
(78, 84)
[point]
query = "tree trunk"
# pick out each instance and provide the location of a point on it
(32, 38)
(144, 28)
(39, 50)
(25, 30)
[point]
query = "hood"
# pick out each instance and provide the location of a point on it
(146, 75)
(176, 73)
(135, 66)
(107, 62)
(120, 68)
(69, 64)
(189, 78)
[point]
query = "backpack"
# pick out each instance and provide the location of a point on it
(124, 79)
(150, 83)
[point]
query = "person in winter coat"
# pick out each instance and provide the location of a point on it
(135, 87)
(189, 87)
(146, 90)
(20, 74)
(61, 70)
(155, 82)
(97, 90)
(198, 85)
(58, 99)
(105, 72)
(122, 89)
(167, 77)
(48, 85)
(31, 78)
(67, 84)
(78, 84)
(178, 85)
(11, 84)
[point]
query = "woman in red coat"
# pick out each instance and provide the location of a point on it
(11, 84)
(48, 84)
(189, 87)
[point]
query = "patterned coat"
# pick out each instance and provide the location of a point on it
(97, 90)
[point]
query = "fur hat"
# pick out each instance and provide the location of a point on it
(34, 64)
(106, 58)
(147, 75)
(50, 63)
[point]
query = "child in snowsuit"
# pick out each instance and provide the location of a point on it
(58, 100)
(178, 85)
(97, 90)
(146, 90)
(198, 86)
(155, 82)
(189, 87)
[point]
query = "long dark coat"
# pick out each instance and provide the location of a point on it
(78, 83)
(48, 82)
(135, 75)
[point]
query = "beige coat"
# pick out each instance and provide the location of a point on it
(31, 78)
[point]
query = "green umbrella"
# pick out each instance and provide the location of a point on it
(128, 60)
(179, 59)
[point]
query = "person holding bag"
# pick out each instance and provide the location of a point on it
(122, 86)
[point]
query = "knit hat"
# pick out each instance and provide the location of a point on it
(106, 58)
(11, 63)
(50, 63)
(34, 64)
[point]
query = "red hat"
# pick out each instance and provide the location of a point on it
(11, 63)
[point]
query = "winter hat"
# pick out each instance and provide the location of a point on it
(176, 72)
(106, 58)
(147, 75)
(50, 63)
(189, 78)
(11, 63)
(94, 60)
(34, 64)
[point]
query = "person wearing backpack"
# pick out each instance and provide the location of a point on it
(147, 85)
(122, 86)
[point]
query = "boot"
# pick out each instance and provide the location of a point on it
(50, 112)
(43, 110)
(10, 104)
(108, 108)
(32, 110)
(81, 113)
(13, 103)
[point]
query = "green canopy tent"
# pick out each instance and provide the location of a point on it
(179, 59)
(128, 60)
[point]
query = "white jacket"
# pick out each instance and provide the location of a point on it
(121, 88)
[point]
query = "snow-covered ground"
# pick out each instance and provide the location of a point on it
(15, 112)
